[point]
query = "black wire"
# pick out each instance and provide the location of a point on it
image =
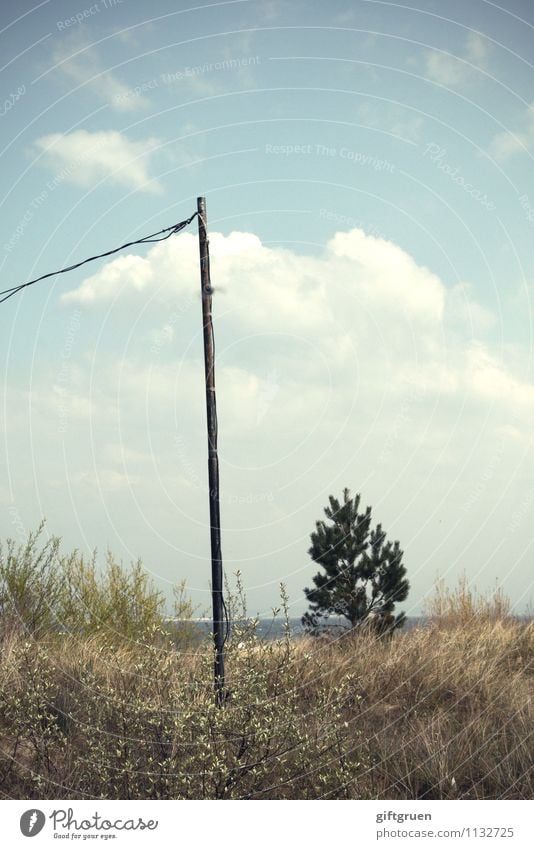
(170, 231)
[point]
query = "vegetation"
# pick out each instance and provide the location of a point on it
(363, 574)
(43, 592)
(444, 711)
(464, 604)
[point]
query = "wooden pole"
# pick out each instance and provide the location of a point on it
(213, 461)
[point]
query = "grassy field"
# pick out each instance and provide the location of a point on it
(440, 712)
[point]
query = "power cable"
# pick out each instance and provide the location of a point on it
(170, 231)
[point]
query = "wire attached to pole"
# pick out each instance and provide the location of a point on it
(145, 240)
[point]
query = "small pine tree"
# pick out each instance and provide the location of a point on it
(363, 574)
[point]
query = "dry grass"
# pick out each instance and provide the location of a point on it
(447, 711)
(465, 604)
(440, 712)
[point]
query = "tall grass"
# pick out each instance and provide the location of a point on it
(439, 712)
(464, 604)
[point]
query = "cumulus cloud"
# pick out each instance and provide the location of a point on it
(127, 271)
(85, 158)
(300, 289)
(456, 71)
(463, 310)
(363, 304)
(488, 378)
(389, 277)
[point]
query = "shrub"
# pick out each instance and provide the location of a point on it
(45, 592)
(89, 718)
(31, 584)
(118, 601)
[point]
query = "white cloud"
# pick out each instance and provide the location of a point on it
(477, 48)
(85, 158)
(365, 301)
(389, 277)
(354, 367)
(127, 271)
(488, 378)
(462, 309)
(298, 289)
(456, 71)
(507, 143)
(471, 372)
(81, 64)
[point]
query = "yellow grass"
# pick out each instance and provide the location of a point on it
(440, 712)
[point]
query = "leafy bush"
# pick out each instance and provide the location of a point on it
(45, 592)
(103, 721)
(118, 601)
(31, 585)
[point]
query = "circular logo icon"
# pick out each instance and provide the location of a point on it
(32, 822)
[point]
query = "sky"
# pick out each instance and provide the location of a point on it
(367, 168)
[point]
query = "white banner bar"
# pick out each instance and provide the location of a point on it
(269, 824)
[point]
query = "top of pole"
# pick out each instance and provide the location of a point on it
(204, 251)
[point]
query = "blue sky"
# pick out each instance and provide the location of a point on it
(368, 174)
